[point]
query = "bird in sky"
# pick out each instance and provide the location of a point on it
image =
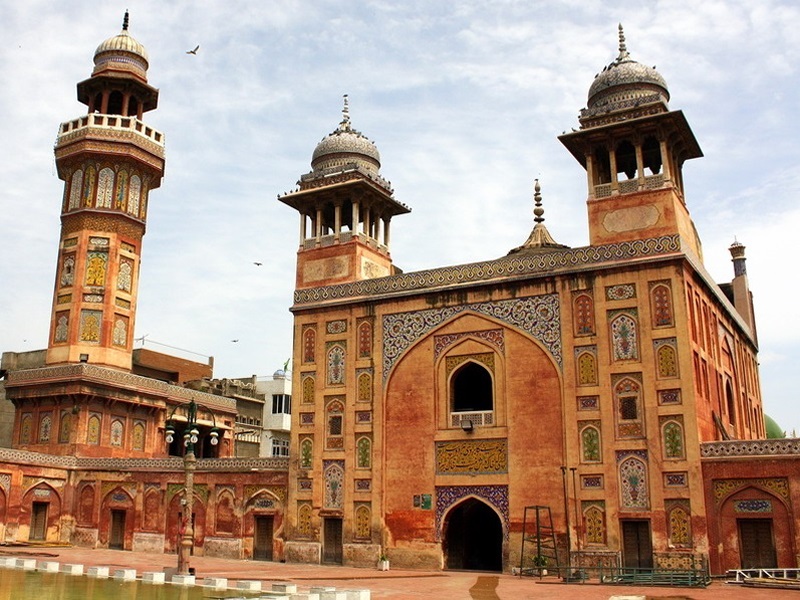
(258, 264)
(234, 341)
(196, 48)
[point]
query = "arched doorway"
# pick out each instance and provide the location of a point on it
(473, 537)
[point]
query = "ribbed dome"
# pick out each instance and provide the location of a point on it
(121, 52)
(625, 80)
(346, 145)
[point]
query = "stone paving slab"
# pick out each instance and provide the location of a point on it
(394, 584)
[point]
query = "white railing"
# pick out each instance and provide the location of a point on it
(478, 418)
(111, 122)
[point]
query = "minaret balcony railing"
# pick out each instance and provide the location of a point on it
(627, 186)
(117, 123)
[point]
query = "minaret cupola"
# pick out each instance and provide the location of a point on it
(345, 208)
(633, 148)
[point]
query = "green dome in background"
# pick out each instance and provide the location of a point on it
(774, 431)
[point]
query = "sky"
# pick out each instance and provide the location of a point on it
(464, 100)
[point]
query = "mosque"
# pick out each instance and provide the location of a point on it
(600, 404)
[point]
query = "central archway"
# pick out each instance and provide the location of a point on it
(473, 537)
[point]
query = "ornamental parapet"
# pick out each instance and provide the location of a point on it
(750, 448)
(164, 464)
(111, 126)
(569, 259)
(103, 375)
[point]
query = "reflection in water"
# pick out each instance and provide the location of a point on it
(33, 585)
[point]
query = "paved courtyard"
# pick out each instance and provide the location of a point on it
(394, 584)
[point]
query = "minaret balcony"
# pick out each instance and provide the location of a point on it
(111, 126)
(628, 186)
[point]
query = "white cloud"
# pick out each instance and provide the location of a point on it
(465, 102)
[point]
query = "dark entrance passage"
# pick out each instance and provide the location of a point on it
(262, 543)
(756, 544)
(332, 548)
(38, 521)
(473, 538)
(637, 546)
(116, 540)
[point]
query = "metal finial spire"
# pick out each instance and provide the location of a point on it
(345, 124)
(623, 48)
(538, 211)
(125, 21)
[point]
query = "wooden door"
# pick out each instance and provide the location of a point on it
(39, 521)
(756, 544)
(116, 539)
(332, 548)
(637, 545)
(262, 542)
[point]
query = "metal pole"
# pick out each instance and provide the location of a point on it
(189, 465)
(566, 514)
(577, 514)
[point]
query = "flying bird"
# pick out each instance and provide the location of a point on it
(258, 264)
(196, 48)
(234, 341)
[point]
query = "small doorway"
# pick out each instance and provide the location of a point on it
(39, 521)
(116, 540)
(473, 538)
(637, 545)
(757, 544)
(332, 548)
(262, 542)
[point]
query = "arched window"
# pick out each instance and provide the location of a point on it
(335, 426)
(628, 399)
(583, 312)
(115, 103)
(471, 388)
(626, 159)
(651, 155)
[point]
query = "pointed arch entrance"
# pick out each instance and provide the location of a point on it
(473, 537)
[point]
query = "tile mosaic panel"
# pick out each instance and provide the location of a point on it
(493, 336)
(539, 316)
(624, 291)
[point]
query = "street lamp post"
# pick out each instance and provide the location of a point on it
(191, 435)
